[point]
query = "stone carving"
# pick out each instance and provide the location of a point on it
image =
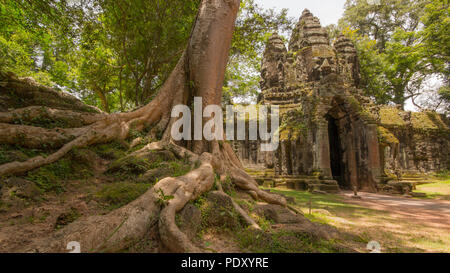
(272, 69)
(310, 43)
(308, 32)
(310, 59)
(348, 59)
(330, 133)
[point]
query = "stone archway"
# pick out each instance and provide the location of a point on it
(350, 146)
(341, 144)
(336, 153)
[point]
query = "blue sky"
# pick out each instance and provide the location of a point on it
(328, 11)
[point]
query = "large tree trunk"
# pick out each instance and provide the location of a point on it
(200, 73)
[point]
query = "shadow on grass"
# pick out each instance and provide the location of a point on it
(332, 203)
(439, 190)
(361, 225)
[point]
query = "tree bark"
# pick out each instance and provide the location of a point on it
(199, 72)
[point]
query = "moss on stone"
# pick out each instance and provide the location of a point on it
(292, 125)
(390, 116)
(285, 133)
(355, 104)
(67, 218)
(422, 122)
(111, 151)
(427, 121)
(52, 177)
(385, 136)
(119, 194)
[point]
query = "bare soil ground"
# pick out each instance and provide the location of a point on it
(430, 213)
(21, 223)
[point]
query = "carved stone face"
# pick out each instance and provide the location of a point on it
(348, 59)
(272, 74)
(320, 61)
(272, 69)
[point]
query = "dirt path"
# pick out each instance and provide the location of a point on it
(432, 213)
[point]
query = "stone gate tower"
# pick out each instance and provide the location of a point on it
(332, 137)
(327, 141)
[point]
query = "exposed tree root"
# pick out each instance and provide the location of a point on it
(200, 72)
(37, 137)
(121, 228)
(249, 220)
(115, 231)
(183, 190)
(296, 211)
(246, 182)
(100, 133)
(31, 113)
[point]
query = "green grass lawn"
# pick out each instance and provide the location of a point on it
(320, 204)
(436, 190)
(366, 224)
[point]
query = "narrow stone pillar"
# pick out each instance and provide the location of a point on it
(374, 163)
(351, 161)
(323, 150)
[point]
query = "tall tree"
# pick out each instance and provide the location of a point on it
(150, 37)
(60, 43)
(37, 39)
(390, 38)
(379, 20)
(254, 26)
(130, 47)
(199, 72)
(435, 50)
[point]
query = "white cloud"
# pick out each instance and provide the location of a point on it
(328, 11)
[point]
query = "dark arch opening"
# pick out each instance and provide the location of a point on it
(337, 162)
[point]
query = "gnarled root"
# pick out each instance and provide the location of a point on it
(249, 220)
(246, 182)
(31, 113)
(202, 66)
(121, 228)
(183, 190)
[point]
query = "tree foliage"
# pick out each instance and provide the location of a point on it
(403, 45)
(116, 54)
(254, 26)
(37, 39)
